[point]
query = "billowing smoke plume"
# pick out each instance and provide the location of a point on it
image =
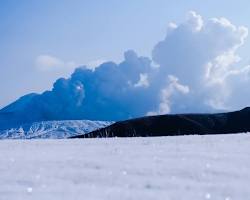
(202, 54)
(197, 71)
(110, 92)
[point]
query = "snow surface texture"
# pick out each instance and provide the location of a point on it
(53, 129)
(164, 168)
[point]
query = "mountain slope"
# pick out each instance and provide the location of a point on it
(180, 124)
(52, 129)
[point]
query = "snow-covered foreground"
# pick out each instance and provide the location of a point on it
(176, 168)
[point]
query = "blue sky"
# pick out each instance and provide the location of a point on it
(84, 32)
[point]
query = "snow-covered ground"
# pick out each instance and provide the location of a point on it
(163, 168)
(52, 129)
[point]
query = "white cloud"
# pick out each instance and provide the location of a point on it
(48, 63)
(194, 21)
(203, 55)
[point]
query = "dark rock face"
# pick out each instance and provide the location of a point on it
(180, 124)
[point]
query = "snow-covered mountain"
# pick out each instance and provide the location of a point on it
(26, 119)
(52, 129)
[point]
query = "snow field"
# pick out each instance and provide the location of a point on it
(162, 168)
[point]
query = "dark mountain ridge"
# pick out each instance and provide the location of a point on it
(177, 124)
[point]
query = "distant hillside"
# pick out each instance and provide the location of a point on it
(181, 124)
(52, 129)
